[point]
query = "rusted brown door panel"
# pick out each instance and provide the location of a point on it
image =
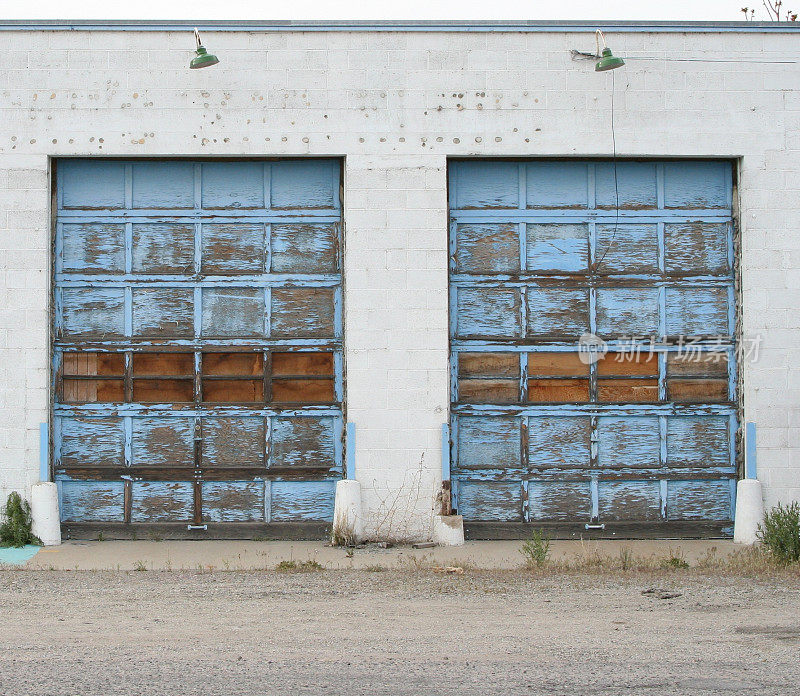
(174, 284)
(635, 257)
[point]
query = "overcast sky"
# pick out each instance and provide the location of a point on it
(713, 10)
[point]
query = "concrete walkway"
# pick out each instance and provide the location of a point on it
(265, 555)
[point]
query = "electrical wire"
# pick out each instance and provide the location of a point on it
(584, 55)
(616, 180)
(712, 60)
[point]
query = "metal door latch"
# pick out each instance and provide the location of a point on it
(190, 527)
(594, 526)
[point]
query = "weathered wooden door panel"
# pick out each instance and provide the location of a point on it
(197, 342)
(550, 256)
(92, 501)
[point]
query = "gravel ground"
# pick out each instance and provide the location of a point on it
(395, 632)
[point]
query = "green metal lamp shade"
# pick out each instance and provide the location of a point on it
(608, 61)
(204, 59)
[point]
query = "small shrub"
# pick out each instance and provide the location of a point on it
(626, 559)
(140, 566)
(375, 569)
(16, 530)
(676, 560)
(536, 549)
(780, 533)
(295, 567)
(343, 532)
(710, 560)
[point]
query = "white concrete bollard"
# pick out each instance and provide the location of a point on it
(749, 511)
(448, 530)
(44, 511)
(348, 522)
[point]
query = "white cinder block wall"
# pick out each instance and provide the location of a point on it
(396, 105)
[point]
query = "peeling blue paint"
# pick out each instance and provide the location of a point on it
(197, 256)
(539, 256)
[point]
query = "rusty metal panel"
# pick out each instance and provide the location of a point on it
(92, 501)
(696, 248)
(162, 312)
(88, 311)
(561, 501)
(162, 501)
(699, 500)
(233, 501)
(162, 248)
(93, 248)
(234, 441)
(491, 500)
(198, 340)
(560, 441)
(627, 311)
(236, 248)
(629, 500)
(162, 442)
(233, 312)
(698, 441)
(557, 312)
(487, 248)
(546, 255)
(92, 442)
(628, 442)
(557, 247)
(489, 442)
(305, 248)
(305, 501)
(303, 312)
(492, 312)
(302, 442)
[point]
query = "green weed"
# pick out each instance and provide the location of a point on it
(536, 549)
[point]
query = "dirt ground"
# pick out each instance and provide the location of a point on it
(397, 632)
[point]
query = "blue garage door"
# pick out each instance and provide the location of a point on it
(592, 337)
(197, 342)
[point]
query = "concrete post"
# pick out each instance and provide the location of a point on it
(44, 511)
(448, 530)
(348, 520)
(749, 511)
(749, 496)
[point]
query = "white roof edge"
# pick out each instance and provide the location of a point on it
(525, 26)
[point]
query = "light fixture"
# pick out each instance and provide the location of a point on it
(607, 60)
(202, 59)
